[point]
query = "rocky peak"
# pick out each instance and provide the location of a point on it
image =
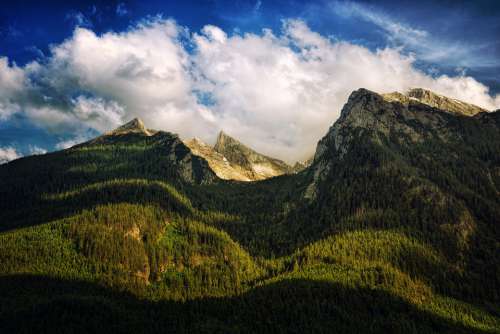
(256, 166)
(196, 142)
(301, 165)
(393, 112)
(411, 117)
(360, 100)
(218, 162)
(134, 126)
(233, 150)
(225, 142)
(435, 100)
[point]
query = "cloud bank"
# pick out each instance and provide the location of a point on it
(276, 91)
(7, 154)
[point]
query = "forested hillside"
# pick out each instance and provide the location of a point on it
(394, 228)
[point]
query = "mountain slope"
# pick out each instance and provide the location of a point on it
(232, 160)
(258, 165)
(393, 228)
(218, 163)
(418, 168)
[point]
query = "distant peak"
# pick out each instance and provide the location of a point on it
(195, 141)
(222, 134)
(223, 139)
(134, 126)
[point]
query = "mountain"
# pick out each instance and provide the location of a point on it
(393, 228)
(232, 160)
(407, 122)
(218, 163)
(301, 165)
(134, 126)
(258, 166)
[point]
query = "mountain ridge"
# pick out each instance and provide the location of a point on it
(384, 114)
(435, 100)
(259, 165)
(400, 233)
(232, 160)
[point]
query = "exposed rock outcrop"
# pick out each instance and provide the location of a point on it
(232, 160)
(134, 126)
(217, 162)
(256, 166)
(411, 118)
(435, 100)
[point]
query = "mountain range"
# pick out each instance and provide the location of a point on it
(392, 227)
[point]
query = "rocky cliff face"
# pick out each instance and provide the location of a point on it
(435, 100)
(134, 126)
(232, 160)
(218, 162)
(408, 119)
(256, 166)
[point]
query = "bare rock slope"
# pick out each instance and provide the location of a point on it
(232, 160)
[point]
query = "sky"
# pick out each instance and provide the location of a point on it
(274, 74)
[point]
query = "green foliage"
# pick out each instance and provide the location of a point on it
(402, 237)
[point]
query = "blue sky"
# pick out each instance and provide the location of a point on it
(450, 46)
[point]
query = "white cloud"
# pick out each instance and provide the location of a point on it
(67, 143)
(277, 92)
(281, 93)
(7, 154)
(97, 112)
(11, 85)
(35, 150)
(79, 19)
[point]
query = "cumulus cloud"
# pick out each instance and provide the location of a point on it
(281, 93)
(277, 91)
(11, 85)
(7, 154)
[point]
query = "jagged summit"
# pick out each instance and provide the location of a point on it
(232, 160)
(435, 100)
(233, 150)
(218, 162)
(259, 166)
(134, 126)
(224, 142)
(301, 165)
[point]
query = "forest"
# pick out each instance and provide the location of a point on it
(108, 237)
